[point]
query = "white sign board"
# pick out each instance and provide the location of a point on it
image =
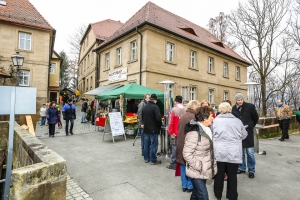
(116, 123)
(25, 100)
(116, 76)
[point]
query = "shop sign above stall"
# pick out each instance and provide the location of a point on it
(118, 75)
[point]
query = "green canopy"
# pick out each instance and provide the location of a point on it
(132, 90)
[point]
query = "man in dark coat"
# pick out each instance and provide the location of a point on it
(246, 112)
(84, 107)
(69, 114)
(152, 122)
(93, 110)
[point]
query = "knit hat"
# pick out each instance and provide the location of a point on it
(178, 99)
(239, 96)
(153, 97)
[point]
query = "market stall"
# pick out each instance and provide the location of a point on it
(130, 94)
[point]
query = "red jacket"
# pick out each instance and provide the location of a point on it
(176, 113)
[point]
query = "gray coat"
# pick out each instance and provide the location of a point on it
(228, 133)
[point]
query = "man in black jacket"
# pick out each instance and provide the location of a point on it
(84, 107)
(246, 112)
(151, 119)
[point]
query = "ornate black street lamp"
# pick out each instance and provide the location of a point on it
(17, 60)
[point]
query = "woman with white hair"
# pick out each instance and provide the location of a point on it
(228, 133)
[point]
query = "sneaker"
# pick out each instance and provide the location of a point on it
(72, 133)
(146, 161)
(240, 171)
(189, 190)
(155, 163)
(170, 167)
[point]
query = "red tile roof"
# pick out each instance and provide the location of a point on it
(22, 12)
(106, 28)
(158, 17)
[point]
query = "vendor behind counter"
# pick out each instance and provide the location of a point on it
(131, 106)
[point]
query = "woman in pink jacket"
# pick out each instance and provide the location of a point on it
(198, 152)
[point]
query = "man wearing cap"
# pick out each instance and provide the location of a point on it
(175, 115)
(283, 114)
(69, 114)
(246, 112)
(151, 119)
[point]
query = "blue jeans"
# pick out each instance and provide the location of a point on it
(141, 133)
(43, 120)
(71, 127)
(200, 190)
(150, 147)
(186, 182)
(250, 160)
(82, 116)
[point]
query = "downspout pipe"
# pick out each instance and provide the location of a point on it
(97, 69)
(141, 54)
(51, 47)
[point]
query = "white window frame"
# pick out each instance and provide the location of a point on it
(225, 69)
(193, 59)
(26, 38)
(170, 47)
(210, 64)
(107, 61)
(22, 76)
(119, 56)
(237, 73)
(211, 96)
(192, 92)
(226, 95)
(53, 68)
(133, 50)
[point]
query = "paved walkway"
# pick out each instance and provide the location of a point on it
(74, 191)
(106, 170)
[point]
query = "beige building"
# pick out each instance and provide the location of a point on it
(156, 45)
(54, 75)
(95, 35)
(23, 29)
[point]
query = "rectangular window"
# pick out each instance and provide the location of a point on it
(237, 73)
(225, 69)
(211, 96)
(24, 78)
(88, 61)
(133, 50)
(53, 68)
(210, 64)
(192, 93)
(119, 56)
(184, 92)
(193, 59)
(24, 41)
(226, 93)
(107, 64)
(170, 52)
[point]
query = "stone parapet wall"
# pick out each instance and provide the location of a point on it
(272, 132)
(38, 172)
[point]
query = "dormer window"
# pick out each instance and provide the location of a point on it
(189, 30)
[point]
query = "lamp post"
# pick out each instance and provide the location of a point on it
(17, 60)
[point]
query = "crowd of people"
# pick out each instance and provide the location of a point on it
(204, 145)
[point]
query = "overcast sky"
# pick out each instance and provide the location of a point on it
(65, 16)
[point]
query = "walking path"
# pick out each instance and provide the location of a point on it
(74, 192)
(106, 170)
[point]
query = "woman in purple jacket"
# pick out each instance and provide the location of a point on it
(52, 116)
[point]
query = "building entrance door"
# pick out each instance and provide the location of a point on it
(53, 96)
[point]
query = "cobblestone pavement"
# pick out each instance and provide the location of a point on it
(74, 191)
(43, 131)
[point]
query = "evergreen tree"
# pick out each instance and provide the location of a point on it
(65, 76)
